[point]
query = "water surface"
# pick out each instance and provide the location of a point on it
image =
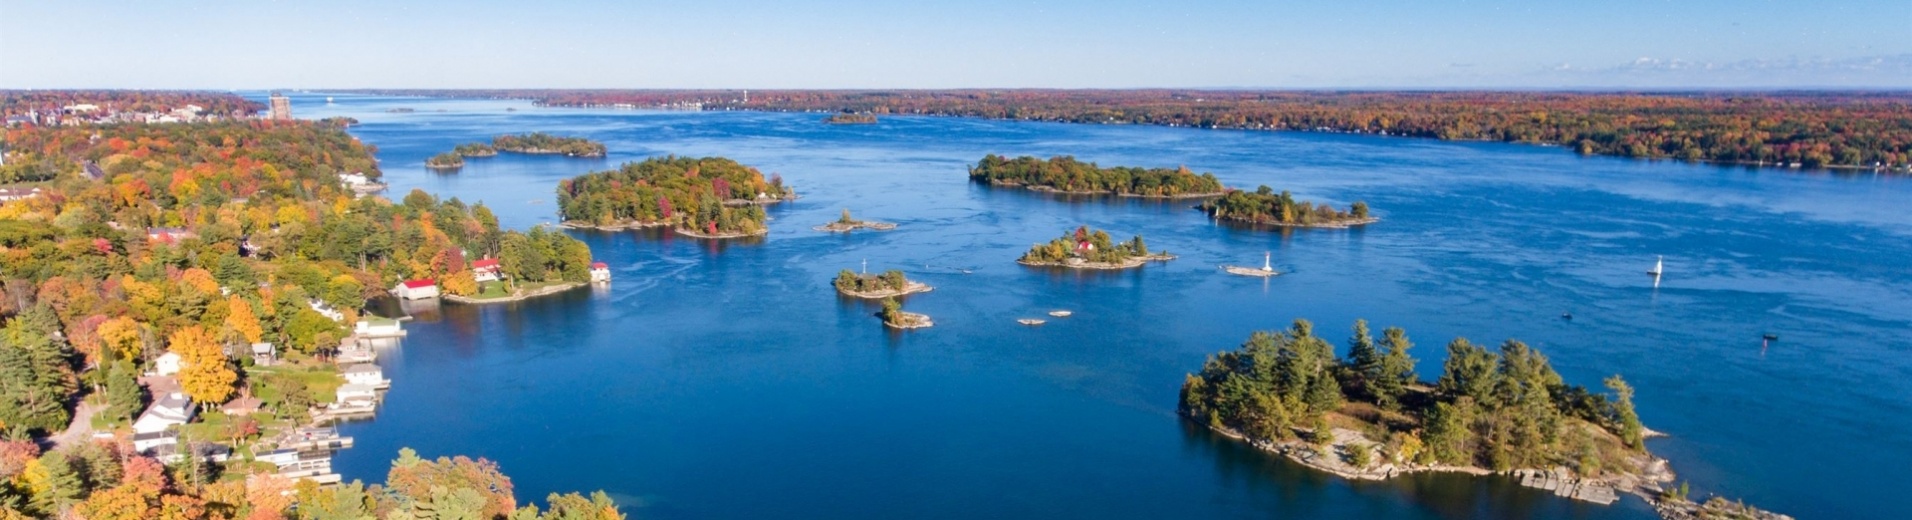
(726, 380)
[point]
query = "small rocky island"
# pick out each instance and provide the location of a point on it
(1064, 174)
(1265, 207)
(847, 118)
(445, 161)
(1369, 417)
(845, 224)
(704, 197)
(894, 317)
(890, 284)
(540, 143)
(1086, 249)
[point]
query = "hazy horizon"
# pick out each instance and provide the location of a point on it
(992, 44)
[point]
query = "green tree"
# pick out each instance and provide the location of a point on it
(1629, 428)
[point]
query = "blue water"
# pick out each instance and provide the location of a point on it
(726, 380)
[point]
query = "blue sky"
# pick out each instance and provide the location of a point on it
(990, 43)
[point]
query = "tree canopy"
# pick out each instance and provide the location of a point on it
(1066, 174)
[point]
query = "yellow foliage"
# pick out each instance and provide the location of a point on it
(35, 479)
(461, 283)
(121, 335)
(200, 279)
(204, 373)
(240, 319)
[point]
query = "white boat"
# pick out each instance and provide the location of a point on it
(1061, 313)
(1659, 266)
(1030, 321)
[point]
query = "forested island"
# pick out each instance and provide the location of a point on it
(1369, 417)
(195, 240)
(710, 197)
(1086, 249)
(1264, 206)
(475, 150)
(850, 119)
(894, 317)
(540, 143)
(340, 121)
(845, 224)
(446, 161)
(1831, 129)
(890, 284)
(1064, 174)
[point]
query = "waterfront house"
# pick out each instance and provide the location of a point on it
(167, 411)
(600, 272)
(366, 374)
(167, 364)
(416, 289)
(354, 393)
(486, 270)
(351, 180)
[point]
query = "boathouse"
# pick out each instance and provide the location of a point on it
(416, 289)
(486, 270)
(600, 272)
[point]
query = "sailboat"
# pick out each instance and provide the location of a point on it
(1659, 266)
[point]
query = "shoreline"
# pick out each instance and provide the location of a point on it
(1336, 225)
(1131, 263)
(541, 151)
(912, 321)
(839, 227)
(520, 296)
(1604, 490)
(1058, 191)
(635, 224)
(718, 236)
(909, 288)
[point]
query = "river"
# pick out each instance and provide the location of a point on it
(726, 380)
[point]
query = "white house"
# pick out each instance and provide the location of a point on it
(167, 411)
(416, 289)
(263, 354)
(145, 442)
(167, 364)
(324, 309)
(357, 393)
(600, 272)
(486, 270)
(354, 179)
(366, 374)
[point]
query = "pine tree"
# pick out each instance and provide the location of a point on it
(1397, 368)
(1630, 429)
(1362, 357)
(124, 396)
(61, 487)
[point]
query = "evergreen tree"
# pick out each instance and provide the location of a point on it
(1623, 416)
(1397, 368)
(63, 485)
(124, 395)
(1363, 359)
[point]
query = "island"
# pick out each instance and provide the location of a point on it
(707, 197)
(848, 118)
(1265, 207)
(340, 121)
(446, 161)
(890, 284)
(1086, 249)
(1064, 174)
(894, 317)
(845, 224)
(475, 150)
(1369, 417)
(540, 143)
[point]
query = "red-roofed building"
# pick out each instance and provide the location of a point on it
(486, 270)
(416, 289)
(600, 272)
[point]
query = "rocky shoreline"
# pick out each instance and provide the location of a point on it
(910, 320)
(841, 227)
(1047, 189)
(520, 296)
(718, 236)
(1078, 263)
(1333, 225)
(1602, 490)
(908, 288)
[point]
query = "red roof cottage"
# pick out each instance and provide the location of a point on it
(416, 289)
